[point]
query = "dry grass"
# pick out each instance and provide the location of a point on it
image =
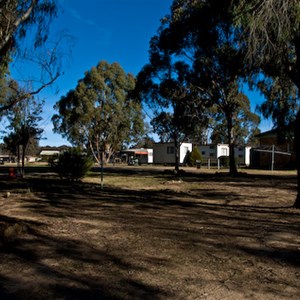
(150, 235)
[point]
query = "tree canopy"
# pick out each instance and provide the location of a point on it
(17, 16)
(163, 86)
(244, 123)
(271, 33)
(201, 35)
(26, 42)
(100, 114)
(24, 128)
(271, 30)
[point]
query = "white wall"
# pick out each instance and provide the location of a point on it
(247, 156)
(222, 150)
(208, 151)
(150, 156)
(214, 151)
(184, 148)
(164, 153)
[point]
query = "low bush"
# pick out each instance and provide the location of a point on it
(71, 165)
(193, 157)
(224, 161)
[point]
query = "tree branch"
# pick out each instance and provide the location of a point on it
(16, 24)
(24, 95)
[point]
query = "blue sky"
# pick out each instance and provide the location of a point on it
(111, 30)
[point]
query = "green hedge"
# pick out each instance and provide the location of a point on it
(193, 157)
(72, 165)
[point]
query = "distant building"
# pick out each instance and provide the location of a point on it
(5, 158)
(214, 151)
(48, 152)
(269, 138)
(272, 152)
(164, 153)
(137, 156)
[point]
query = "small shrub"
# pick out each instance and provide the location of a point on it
(72, 165)
(193, 157)
(224, 161)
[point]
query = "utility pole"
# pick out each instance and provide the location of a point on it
(101, 177)
(273, 158)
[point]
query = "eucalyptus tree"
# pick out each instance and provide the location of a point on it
(202, 33)
(271, 32)
(244, 123)
(24, 128)
(26, 43)
(281, 105)
(163, 86)
(144, 141)
(17, 17)
(100, 114)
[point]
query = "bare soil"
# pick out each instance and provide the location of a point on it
(150, 235)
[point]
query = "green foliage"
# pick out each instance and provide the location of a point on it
(244, 123)
(17, 17)
(72, 164)
(24, 37)
(163, 86)
(144, 142)
(271, 31)
(163, 126)
(100, 113)
(193, 157)
(24, 118)
(281, 104)
(224, 161)
(201, 33)
(271, 36)
(24, 128)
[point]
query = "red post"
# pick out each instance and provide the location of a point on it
(12, 173)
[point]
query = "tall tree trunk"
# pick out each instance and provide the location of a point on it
(110, 152)
(177, 151)
(232, 165)
(297, 151)
(23, 161)
(18, 159)
(296, 79)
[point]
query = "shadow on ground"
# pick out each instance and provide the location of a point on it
(82, 242)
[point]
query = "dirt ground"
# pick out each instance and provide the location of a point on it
(150, 235)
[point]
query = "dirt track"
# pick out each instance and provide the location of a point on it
(202, 236)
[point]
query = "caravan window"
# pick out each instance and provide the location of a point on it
(224, 151)
(170, 150)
